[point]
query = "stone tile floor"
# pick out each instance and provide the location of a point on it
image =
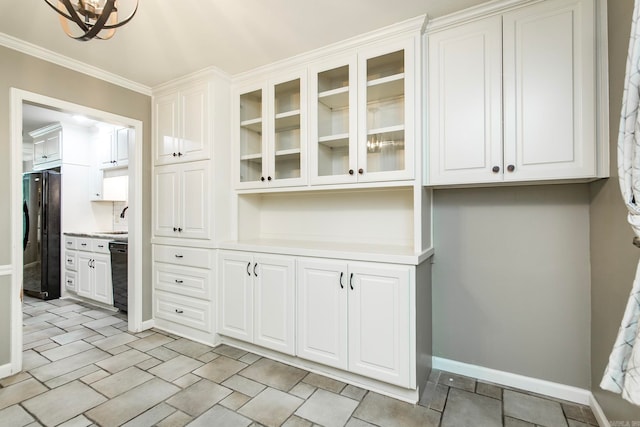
(82, 368)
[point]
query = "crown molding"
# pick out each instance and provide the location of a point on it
(72, 64)
(482, 10)
(204, 74)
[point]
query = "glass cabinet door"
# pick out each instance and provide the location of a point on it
(385, 139)
(251, 137)
(333, 150)
(287, 125)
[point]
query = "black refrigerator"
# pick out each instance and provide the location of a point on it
(41, 234)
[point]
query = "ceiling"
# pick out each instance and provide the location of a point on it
(168, 39)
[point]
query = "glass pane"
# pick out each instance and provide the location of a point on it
(333, 122)
(251, 136)
(287, 130)
(385, 152)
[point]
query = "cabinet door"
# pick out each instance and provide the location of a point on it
(250, 111)
(322, 312)
(235, 286)
(121, 147)
(386, 108)
(52, 146)
(380, 329)
(38, 151)
(85, 274)
(166, 128)
(274, 302)
(105, 150)
(102, 288)
(166, 200)
(194, 143)
(287, 131)
(549, 91)
(193, 217)
(333, 122)
(465, 103)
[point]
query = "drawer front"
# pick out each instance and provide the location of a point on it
(183, 310)
(190, 257)
(70, 280)
(71, 261)
(70, 242)
(193, 282)
(100, 246)
(84, 244)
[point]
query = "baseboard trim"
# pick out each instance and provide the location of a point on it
(148, 324)
(5, 370)
(535, 385)
(598, 412)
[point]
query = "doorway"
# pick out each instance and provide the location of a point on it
(19, 99)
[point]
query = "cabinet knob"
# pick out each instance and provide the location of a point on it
(175, 229)
(44, 157)
(268, 178)
(179, 311)
(179, 230)
(179, 281)
(180, 154)
(262, 178)
(97, 194)
(350, 171)
(511, 168)
(360, 171)
(496, 169)
(175, 155)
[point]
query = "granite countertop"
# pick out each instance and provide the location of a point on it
(120, 236)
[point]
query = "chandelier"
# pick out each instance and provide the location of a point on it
(94, 18)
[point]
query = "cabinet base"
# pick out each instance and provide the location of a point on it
(407, 395)
(202, 337)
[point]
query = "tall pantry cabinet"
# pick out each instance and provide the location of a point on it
(190, 200)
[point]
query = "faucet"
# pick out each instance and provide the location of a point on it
(123, 211)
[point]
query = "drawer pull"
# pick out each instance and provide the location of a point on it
(179, 281)
(179, 311)
(83, 244)
(101, 246)
(179, 256)
(69, 282)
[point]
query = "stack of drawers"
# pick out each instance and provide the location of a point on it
(183, 289)
(87, 269)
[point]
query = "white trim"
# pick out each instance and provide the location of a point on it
(6, 270)
(5, 370)
(598, 412)
(535, 385)
(18, 96)
(204, 74)
(72, 64)
(148, 324)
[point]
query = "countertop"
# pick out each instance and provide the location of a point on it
(116, 236)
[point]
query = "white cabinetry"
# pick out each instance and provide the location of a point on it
(182, 124)
(60, 143)
(46, 145)
(356, 317)
(182, 285)
(512, 97)
(361, 110)
(182, 200)
(257, 299)
(93, 264)
(114, 149)
(272, 132)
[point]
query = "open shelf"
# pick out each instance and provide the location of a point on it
(339, 140)
(254, 125)
(293, 153)
(287, 120)
(385, 88)
(250, 157)
(335, 98)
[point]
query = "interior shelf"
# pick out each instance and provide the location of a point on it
(393, 130)
(256, 156)
(288, 120)
(332, 141)
(385, 88)
(286, 154)
(254, 125)
(336, 98)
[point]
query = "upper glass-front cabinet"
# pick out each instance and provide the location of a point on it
(271, 130)
(360, 130)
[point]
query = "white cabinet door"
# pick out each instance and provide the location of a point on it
(465, 103)
(105, 150)
(52, 146)
(194, 201)
(549, 91)
(166, 200)
(166, 128)
(274, 302)
(194, 140)
(251, 136)
(386, 108)
(85, 276)
(121, 147)
(322, 312)
(235, 286)
(101, 271)
(379, 322)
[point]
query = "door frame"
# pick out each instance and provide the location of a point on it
(18, 97)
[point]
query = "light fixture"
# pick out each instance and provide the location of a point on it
(94, 18)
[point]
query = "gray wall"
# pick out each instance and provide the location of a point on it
(31, 74)
(511, 280)
(613, 258)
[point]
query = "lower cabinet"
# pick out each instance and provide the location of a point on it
(182, 288)
(356, 316)
(257, 299)
(94, 277)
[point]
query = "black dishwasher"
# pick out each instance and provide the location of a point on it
(119, 274)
